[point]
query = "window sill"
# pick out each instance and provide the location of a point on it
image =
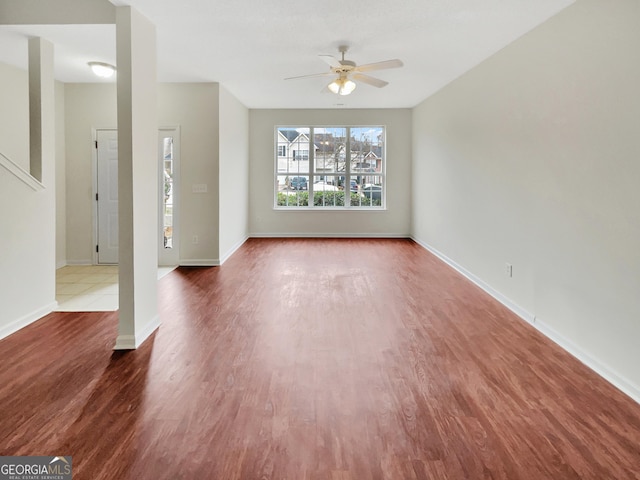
(330, 209)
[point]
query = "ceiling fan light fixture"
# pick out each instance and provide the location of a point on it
(342, 86)
(348, 87)
(102, 70)
(334, 87)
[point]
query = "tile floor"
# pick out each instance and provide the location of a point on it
(90, 288)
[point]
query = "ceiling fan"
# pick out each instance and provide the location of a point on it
(347, 71)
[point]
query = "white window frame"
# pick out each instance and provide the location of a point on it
(314, 172)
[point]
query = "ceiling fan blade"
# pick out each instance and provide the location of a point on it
(331, 60)
(325, 74)
(370, 67)
(376, 82)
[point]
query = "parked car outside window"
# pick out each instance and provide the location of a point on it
(299, 183)
(373, 192)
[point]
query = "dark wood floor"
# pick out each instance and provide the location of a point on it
(315, 359)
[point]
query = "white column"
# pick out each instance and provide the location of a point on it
(42, 152)
(137, 177)
(41, 107)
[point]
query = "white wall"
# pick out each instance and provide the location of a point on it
(532, 159)
(192, 107)
(27, 219)
(233, 174)
(265, 221)
(87, 106)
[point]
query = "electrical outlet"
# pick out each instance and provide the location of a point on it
(195, 239)
(508, 269)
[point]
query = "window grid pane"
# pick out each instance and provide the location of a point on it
(329, 167)
(167, 188)
(326, 192)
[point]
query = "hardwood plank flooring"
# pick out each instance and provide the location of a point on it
(315, 359)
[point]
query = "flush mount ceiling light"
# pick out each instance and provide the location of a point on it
(102, 70)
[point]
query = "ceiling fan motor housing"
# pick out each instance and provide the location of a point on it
(346, 66)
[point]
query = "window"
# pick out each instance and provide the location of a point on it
(330, 167)
(167, 191)
(301, 154)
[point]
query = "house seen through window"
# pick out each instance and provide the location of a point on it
(329, 167)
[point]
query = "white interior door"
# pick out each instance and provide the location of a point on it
(107, 197)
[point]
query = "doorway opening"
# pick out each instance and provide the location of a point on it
(106, 197)
(95, 287)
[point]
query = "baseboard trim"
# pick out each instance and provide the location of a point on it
(514, 307)
(27, 320)
(205, 262)
(329, 235)
(21, 174)
(618, 381)
(125, 342)
(233, 249)
(131, 342)
(151, 327)
(79, 262)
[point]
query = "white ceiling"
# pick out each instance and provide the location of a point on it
(250, 46)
